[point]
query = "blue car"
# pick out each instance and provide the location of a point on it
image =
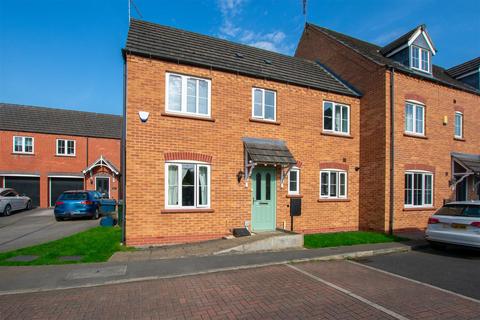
(82, 203)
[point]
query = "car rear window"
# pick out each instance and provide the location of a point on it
(74, 196)
(459, 210)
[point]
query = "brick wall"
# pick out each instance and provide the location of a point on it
(369, 78)
(45, 161)
(299, 114)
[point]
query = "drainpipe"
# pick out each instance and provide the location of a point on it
(122, 147)
(392, 150)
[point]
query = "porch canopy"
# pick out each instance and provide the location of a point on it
(101, 162)
(463, 166)
(267, 152)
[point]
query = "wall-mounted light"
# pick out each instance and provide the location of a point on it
(445, 120)
(240, 175)
(143, 115)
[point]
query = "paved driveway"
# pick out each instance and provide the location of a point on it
(315, 290)
(26, 228)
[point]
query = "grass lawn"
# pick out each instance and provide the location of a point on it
(95, 245)
(324, 240)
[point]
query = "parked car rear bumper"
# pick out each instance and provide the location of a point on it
(467, 239)
(72, 213)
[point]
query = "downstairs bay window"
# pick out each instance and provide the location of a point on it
(418, 189)
(333, 184)
(187, 185)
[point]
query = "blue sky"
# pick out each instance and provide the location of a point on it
(67, 54)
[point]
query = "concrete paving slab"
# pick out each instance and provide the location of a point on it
(22, 258)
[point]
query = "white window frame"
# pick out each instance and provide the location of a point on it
(420, 59)
(335, 105)
(179, 164)
(23, 145)
(424, 174)
(460, 114)
(338, 172)
(297, 191)
(415, 105)
(66, 154)
(262, 117)
(183, 102)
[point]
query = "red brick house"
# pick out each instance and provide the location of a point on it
(221, 135)
(419, 129)
(46, 151)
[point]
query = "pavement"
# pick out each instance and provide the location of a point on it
(310, 290)
(27, 228)
(15, 280)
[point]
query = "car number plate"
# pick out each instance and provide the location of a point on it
(458, 226)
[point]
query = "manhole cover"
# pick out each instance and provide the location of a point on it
(70, 258)
(22, 258)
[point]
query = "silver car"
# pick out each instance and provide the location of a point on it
(455, 223)
(11, 201)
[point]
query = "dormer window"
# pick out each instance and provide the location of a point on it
(420, 59)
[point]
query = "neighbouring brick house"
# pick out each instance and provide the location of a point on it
(221, 135)
(429, 151)
(46, 151)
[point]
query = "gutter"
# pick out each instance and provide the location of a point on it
(392, 150)
(122, 148)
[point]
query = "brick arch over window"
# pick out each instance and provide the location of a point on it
(419, 166)
(334, 165)
(416, 97)
(170, 156)
(459, 109)
(299, 164)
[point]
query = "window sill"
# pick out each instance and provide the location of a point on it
(264, 121)
(185, 116)
(333, 134)
(195, 210)
(413, 135)
(459, 139)
(23, 154)
(419, 209)
(333, 200)
(65, 155)
(294, 196)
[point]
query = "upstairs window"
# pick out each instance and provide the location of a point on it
(264, 104)
(294, 181)
(414, 118)
(188, 95)
(23, 145)
(65, 147)
(187, 185)
(333, 184)
(458, 125)
(420, 59)
(336, 118)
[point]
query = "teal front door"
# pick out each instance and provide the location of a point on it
(263, 199)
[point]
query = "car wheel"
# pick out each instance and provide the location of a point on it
(96, 215)
(29, 205)
(7, 210)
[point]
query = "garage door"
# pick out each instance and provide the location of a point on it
(59, 185)
(29, 186)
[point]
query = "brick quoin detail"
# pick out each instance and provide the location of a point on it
(334, 165)
(417, 166)
(459, 109)
(416, 97)
(170, 156)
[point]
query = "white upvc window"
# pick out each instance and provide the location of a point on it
(23, 145)
(294, 181)
(420, 59)
(414, 118)
(336, 117)
(333, 184)
(66, 147)
(458, 125)
(188, 95)
(418, 189)
(187, 185)
(264, 104)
